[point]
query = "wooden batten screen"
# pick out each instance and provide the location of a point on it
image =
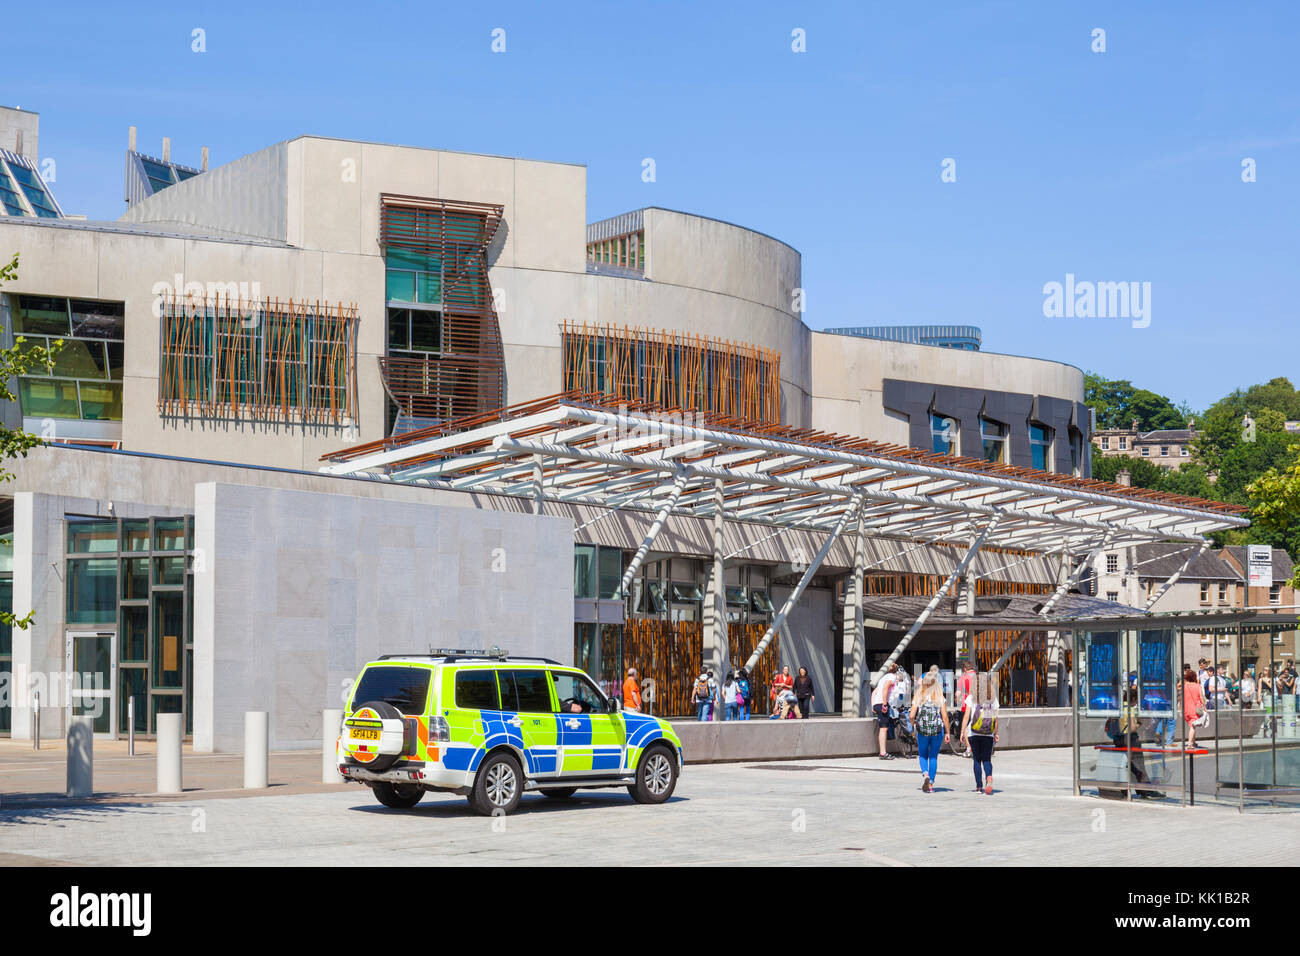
(676, 371)
(263, 360)
(672, 652)
(466, 377)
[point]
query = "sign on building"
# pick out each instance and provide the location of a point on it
(1259, 565)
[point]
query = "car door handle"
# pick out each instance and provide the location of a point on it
(514, 722)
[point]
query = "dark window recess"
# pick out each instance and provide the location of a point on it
(477, 690)
(530, 690)
(406, 688)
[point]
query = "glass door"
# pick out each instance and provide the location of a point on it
(92, 665)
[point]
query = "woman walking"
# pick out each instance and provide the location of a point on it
(730, 696)
(1193, 705)
(929, 716)
(979, 731)
(803, 692)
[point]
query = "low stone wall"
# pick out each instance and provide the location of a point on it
(823, 737)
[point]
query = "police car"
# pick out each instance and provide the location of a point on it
(493, 727)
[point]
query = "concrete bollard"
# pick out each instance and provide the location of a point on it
(81, 756)
(169, 753)
(329, 761)
(256, 737)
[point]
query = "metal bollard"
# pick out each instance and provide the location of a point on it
(256, 736)
(168, 730)
(130, 726)
(81, 757)
(36, 721)
(329, 761)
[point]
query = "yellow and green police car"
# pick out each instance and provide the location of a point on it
(493, 727)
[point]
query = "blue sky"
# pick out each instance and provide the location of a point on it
(1117, 166)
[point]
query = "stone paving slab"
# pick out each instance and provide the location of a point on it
(850, 812)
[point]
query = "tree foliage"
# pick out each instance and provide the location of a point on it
(1275, 500)
(1117, 403)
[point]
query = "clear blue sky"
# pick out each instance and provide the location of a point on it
(1115, 166)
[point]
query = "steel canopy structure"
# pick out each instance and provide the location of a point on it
(575, 449)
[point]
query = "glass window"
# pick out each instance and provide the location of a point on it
(737, 596)
(584, 567)
(531, 691)
(654, 601)
(994, 436)
(135, 534)
(477, 690)
(1223, 594)
(135, 578)
(428, 287)
(43, 315)
(684, 593)
(132, 682)
(1205, 594)
(1105, 444)
(92, 591)
(162, 704)
(399, 286)
(1164, 451)
(1040, 446)
(91, 537)
(404, 687)
(1146, 451)
(426, 331)
(168, 638)
(133, 636)
(1123, 444)
(6, 630)
(169, 534)
(1275, 594)
(81, 359)
(169, 571)
(1112, 563)
(943, 434)
(577, 695)
(98, 320)
(761, 603)
(48, 397)
(101, 401)
(611, 572)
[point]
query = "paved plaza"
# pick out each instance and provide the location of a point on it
(853, 812)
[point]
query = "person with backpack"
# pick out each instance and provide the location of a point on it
(979, 731)
(929, 715)
(742, 683)
(702, 695)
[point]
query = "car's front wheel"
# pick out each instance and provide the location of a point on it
(398, 796)
(656, 776)
(498, 786)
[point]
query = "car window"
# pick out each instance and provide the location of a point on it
(576, 694)
(406, 688)
(529, 690)
(477, 690)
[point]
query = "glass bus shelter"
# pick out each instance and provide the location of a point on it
(1132, 738)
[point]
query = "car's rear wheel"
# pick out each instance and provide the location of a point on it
(560, 793)
(398, 796)
(498, 786)
(656, 776)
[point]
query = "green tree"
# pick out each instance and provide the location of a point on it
(1117, 403)
(1142, 473)
(19, 359)
(1275, 501)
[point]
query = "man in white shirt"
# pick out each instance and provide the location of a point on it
(880, 705)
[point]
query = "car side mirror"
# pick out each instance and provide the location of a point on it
(613, 705)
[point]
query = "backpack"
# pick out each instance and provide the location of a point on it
(929, 719)
(983, 720)
(702, 691)
(744, 690)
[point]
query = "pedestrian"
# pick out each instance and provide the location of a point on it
(979, 731)
(803, 691)
(700, 696)
(900, 700)
(1129, 740)
(632, 692)
(1247, 690)
(1193, 706)
(1266, 690)
(880, 706)
(1286, 682)
(730, 693)
(929, 715)
(715, 698)
(964, 689)
(742, 682)
(1219, 680)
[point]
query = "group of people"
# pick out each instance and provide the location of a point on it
(1221, 687)
(732, 699)
(925, 713)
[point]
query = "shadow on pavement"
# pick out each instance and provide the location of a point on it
(531, 804)
(56, 808)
